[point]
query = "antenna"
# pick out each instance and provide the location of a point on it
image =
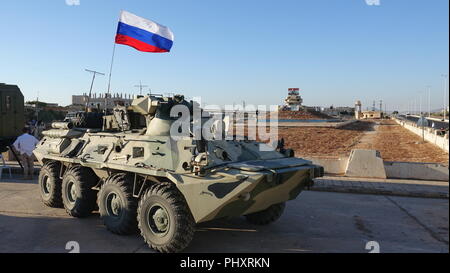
(140, 87)
(92, 84)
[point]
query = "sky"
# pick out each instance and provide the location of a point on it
(335, 51)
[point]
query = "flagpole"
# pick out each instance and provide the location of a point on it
(111, 67)
(110, 70)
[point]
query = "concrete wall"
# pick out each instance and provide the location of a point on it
(429, 133)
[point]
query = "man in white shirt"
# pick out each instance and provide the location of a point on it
(25, 145)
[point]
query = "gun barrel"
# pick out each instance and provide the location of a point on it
(62, 125)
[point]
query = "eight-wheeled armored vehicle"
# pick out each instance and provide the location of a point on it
(143, 179)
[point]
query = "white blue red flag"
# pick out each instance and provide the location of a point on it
(142, 34)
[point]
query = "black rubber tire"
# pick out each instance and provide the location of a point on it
(50, 184)
(121, 186)
(181, 223)
(267, 216)
(84, 202)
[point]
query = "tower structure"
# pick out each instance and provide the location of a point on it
(358, 109)
(294, 100)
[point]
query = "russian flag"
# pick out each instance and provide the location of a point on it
(142, 34)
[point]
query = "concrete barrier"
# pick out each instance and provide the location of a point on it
(419, 171)
(429, 134)
(331, 165)
(365, 163)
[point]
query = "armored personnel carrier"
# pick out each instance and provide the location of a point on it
(143, 179)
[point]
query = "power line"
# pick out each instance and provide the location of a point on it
(140, 87)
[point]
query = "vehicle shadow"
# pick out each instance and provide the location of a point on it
(58, 234)
(18, 178)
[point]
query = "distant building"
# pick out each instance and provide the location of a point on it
(337, 111)
(373, 114)
(98, 101)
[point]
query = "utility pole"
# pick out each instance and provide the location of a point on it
(420, 104)
(429, 100)
(381, 106)
(140, 87)
(37, 107)
(445, 76)
(94, 73)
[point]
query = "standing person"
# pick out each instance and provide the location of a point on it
(25, 145)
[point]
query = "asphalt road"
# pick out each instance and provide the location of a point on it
(314, 222)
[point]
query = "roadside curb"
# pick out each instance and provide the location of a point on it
(391, 187)
(381, 192)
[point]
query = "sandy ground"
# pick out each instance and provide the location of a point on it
(323, 141)
(398, 144)
(315, 141)
(393, 141)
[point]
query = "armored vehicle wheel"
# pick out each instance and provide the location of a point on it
(164, 219)
(117, 206)
(50, 184)
(77, 193)
(267, 216)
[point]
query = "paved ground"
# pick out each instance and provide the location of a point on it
(315, 222)
(397, 187)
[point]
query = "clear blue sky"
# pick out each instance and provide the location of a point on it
(227, 51)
